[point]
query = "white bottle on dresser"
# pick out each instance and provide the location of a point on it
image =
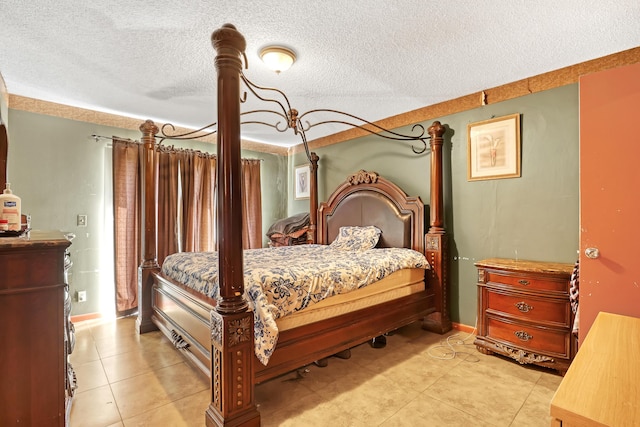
(10, 208)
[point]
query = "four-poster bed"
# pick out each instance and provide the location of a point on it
(216, 334)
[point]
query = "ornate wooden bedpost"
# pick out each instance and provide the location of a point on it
(313, 199)
(232, 348)
(436, 241)
(149, 248)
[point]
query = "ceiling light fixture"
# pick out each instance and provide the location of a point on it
(278, 58)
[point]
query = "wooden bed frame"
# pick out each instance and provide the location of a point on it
(217, 336)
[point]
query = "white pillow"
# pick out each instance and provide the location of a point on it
(356, 238)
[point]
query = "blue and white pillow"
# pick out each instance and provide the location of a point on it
(356, 238)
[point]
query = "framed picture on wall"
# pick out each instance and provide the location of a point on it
(493, 148)
(302, 182)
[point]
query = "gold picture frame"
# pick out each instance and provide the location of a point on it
(302, 182)
(493, 148)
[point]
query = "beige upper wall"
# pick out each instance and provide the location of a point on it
(534, 84)
(542, 82)
(31, 105)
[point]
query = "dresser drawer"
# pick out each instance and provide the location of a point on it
(527, 282)
(527, 307)
(528, 337)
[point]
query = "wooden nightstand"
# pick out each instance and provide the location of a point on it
(524, 312)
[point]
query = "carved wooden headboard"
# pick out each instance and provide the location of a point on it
(366, 198)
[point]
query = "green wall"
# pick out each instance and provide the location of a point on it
(4, 109)
(532, 217)
(60, 171)
(4, 102)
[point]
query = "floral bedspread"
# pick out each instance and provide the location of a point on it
(284, 280)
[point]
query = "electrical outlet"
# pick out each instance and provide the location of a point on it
(82, 296)
(82, 220)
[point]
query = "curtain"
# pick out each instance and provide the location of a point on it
(185, 207)
(189, 178)
(208, 240)
(169, 232)
(198, 187)
(251, 204)
(126, 215)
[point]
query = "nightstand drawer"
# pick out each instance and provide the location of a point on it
(527, 282)
(544, 310)
(528, 337)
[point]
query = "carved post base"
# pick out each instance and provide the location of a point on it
(437, 323)
(232, 397)
(436, 249)
(145, 283)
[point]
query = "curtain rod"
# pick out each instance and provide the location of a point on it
(97, 138)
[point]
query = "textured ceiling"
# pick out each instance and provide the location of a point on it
(374, 58)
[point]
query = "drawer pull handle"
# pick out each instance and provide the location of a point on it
(523, 282)
(523, 336)
(523, 307)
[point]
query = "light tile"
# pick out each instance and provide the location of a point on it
(310, 411)
(490, 391)
(535, 411)
(94, 408)
(84, 350)
(317, 378)
(510, 367)
(275, 395)
(154, 389)
(365, 397)
(427, 411)
(417, 372)
(90, 375)
(406, 383)
(139, 360)
(550, 380)
(123, 343)
(186, 412)
(114, 328)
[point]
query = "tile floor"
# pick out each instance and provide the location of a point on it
(129, 380)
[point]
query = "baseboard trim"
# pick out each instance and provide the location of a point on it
(463, 328)
(88, 316)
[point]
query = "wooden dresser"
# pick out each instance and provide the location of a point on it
(36, 381)
(524, 312)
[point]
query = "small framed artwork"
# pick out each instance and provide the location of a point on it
(493, 148)
(302, 182)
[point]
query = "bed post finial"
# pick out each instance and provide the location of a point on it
(149, 245)
(230, 46)
(149, 131)
(232, 347)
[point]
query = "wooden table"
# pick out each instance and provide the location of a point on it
(602, 385)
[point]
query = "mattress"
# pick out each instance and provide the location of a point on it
(399, 284)
(287, 280)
